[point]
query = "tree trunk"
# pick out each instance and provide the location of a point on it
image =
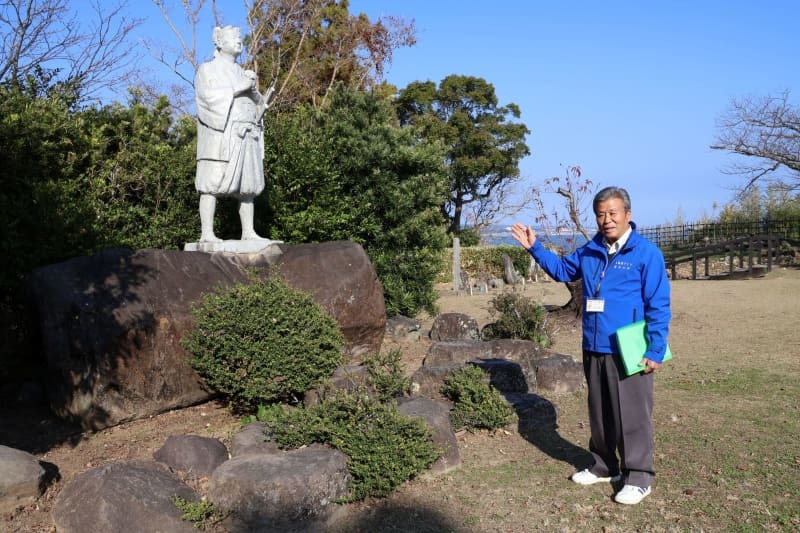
(575, 304)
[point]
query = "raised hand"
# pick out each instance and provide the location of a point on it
(523, 235)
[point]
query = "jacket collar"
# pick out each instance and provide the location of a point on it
(597, 241)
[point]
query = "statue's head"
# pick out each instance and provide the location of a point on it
(228, 40)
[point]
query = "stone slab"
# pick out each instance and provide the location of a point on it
(250, 246)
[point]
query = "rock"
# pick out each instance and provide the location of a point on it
(252, 439)
(292, 491)
(427, 380)
(340, 277)
(457, 351)
(509, 274)
(192, 454)
(504, 375)
(523, 352)
(496, 283)
(454, 326)
(345, 378)
(31, 394)
(518, 350)
(123, 496)
(437, 417)
(535, 414)
(22, 478)
(403, 328)
(111, 324)
(559, 373)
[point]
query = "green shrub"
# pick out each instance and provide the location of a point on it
(263, 341)
(484, 260)
(384, 447)
(477, 405)
(387, 375)
(519, 318)
(202, 514)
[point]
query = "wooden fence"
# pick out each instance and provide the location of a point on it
(686, 236)
(760, 252)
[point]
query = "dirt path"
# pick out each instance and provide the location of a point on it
(727, 422)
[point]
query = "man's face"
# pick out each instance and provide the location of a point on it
(612, 219)
(231, 42)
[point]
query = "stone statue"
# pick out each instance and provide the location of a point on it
(230, 136)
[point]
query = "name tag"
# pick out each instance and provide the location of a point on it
(595, 305)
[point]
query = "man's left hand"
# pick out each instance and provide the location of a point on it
(649, 365)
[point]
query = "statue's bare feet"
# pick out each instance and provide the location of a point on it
(210, 238)
(252, 236)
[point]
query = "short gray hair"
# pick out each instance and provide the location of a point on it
(612, 192)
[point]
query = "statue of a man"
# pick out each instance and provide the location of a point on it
(230, 136)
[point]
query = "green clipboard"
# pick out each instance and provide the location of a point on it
(632, 346)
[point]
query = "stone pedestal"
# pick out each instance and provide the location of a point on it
(251, 246)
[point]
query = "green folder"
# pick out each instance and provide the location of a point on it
(632, 346)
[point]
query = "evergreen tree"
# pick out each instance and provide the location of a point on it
(483, 148)
(346, 172)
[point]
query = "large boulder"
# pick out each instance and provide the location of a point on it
(291, 491)
(454, 326)
(436, 415)
(193, 455)
(21, 478)
(340, 277)
(110, 324)
(253, 439)
(123, 496)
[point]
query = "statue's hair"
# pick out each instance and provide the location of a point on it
(220, 31)
(612, 192)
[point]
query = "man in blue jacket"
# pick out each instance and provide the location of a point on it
(624, 280)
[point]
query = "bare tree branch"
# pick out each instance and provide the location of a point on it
(767, 131)
(47, 35)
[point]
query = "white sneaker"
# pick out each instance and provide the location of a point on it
(585, 477)
(631, 494)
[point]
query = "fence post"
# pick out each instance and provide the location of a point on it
(769, 253)
(456, 264)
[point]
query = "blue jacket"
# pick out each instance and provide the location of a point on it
(634, 287)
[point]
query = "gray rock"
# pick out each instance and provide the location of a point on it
(437, 417)
(523, 352)
(504, 375)
(292, 491)
(516, 349)
(123, 496)
(559, 373)
(509, 274)
(457, 351)
(454, 326)
(345, 378)
(192, 454)
(252, 439)
(21, 478)
(427, 380)
(535, 414)
(403, 328)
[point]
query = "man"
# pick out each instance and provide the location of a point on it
(230, 139)
(624, 280)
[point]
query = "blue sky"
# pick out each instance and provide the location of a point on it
(628, 90)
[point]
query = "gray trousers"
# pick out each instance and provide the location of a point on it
(620, 418)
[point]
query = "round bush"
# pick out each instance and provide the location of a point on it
(262, 342)
(385, 448)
